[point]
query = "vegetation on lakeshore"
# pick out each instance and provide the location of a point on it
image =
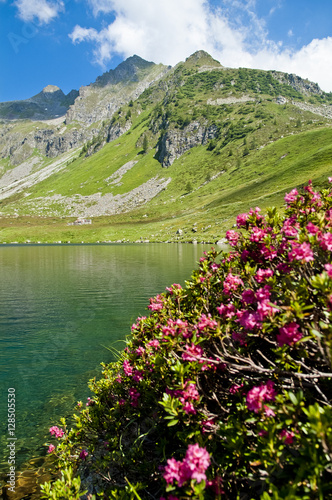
(224, 390)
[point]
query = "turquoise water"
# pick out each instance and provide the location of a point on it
(61, 306)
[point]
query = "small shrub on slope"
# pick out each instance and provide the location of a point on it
(224, 390)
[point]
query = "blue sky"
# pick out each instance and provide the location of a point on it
(69, 43)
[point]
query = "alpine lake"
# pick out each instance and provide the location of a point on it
(64, 309)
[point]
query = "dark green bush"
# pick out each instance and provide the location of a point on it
(224, 390)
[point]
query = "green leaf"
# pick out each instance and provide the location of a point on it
(172, 422)
(293, 398)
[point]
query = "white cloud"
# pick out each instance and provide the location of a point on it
(169, 31)
(42, 10)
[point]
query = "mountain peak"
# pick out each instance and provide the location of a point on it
(127, 70)
(49, 89)
(202, 58)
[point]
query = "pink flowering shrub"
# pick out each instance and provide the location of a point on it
(224, 391)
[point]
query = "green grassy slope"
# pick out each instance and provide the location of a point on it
(261, 150)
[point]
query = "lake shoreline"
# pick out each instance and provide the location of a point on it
(61, 305)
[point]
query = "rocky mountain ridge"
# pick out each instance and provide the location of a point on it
(50, 103)
(150, 116)
(59, 123)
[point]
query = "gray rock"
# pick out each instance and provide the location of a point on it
(175, 142)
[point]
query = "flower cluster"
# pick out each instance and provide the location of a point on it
(235, 368)
(193, 466)
(289, 334)
(258, 395)
(55, 431)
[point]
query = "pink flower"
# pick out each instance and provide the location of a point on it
(241, 220)
(248, 296)
(301, 252)
(55, 431)
(138, 376)
(231, 283)
(263, 274)
(154, 343)
(292, 196)
(172, 471)
(140, 351)
(192, 352)
(312, 229)
(206, 322)
(176, 328)
(289, 334)
(287, 436)
(265, 309)
(155, 306)
(127, 368)
(328, 268)
(189, 392)
(189, 408)
(268, 411)
(290, 227)
(226, 310)
(268, 253)
(235, 388)
(257, 234)
(197, 460)
(232, 237)
(140, 320)
(207, 425)
(248, 319)
(174, 287)
(83, 454)
(325, 241)
(193, 466)
(51, 448)
(134, 396)
(156, 303)
(258, 395)
(214, 267)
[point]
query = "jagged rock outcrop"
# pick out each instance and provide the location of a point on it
(175, 142)
(305, 87)
(50, 142)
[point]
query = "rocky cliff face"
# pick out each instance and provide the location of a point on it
(175, 142)
(50, 141)
(305, 87)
